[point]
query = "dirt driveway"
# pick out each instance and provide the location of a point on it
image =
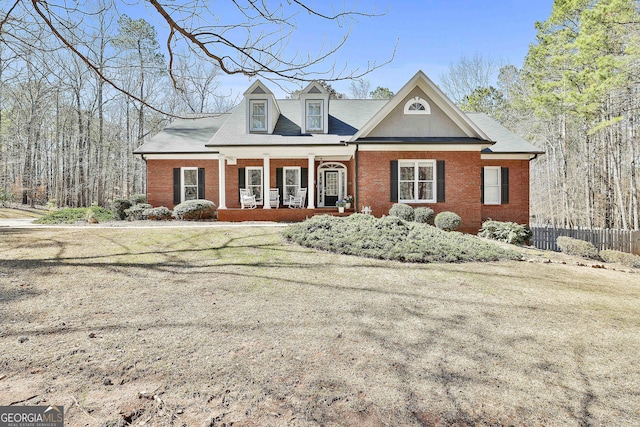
(233, 326)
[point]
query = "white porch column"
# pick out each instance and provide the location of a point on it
(266, 182)
(311, 194)
(222, 183)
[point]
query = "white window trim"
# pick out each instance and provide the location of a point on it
(284, 181)
(499, 185)
(415, 163)
(425, 104)
(266, 114)
(259, 200)
(183, 187)
(307, 115)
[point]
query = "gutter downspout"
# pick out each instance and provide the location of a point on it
(356, 198)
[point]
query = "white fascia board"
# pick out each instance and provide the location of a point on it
(182, 156)
(279, 152)
(422, 147)
(434, 93)
(507, 156)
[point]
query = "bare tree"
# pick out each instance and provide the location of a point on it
(469, 74)
(253, 41)
(359, 89)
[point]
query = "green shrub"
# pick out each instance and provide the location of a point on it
(423, 215)
(134, 213)
(161, 213)
(392, 238)
(402, 211)
(195, 209)
(624, 258)
(138, 199)
(508, 232)
(118, 207)
(71, 215)
(571, 246)
(447, 221)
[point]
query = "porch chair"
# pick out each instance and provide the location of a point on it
(297, 201)
(274, 197)
(247, 200)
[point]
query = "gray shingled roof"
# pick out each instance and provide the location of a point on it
(506, 141)
(346, 117)
(184, 136)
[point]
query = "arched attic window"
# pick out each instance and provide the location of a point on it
(417, 106)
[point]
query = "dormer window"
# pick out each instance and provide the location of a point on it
(417, 106)
(258, 118)
(314, 115)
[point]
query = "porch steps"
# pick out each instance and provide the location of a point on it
(276, 215)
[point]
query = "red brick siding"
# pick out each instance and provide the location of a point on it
(517, 210)
(462, 186)
(160, 180)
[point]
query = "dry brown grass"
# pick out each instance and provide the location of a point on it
(203, 327)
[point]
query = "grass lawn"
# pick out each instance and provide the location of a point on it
(207, 326)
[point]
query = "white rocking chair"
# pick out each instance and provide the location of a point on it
(297, 201)
(274, 197)
(247, 200)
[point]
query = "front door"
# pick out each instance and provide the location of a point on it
(331, 187)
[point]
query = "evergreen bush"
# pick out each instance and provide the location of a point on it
(195, 209)
(624, 258)
(508, 232)
(447, 221)
(134, 213)
(138, 199)
(392, 238)
(119, 206)
(402, 211)
(571, 246)
(423, 215)
(71, 215)
(160, 213)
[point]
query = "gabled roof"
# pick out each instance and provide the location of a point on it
(350, 122)
(434, 93)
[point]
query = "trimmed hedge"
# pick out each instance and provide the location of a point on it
(402, 211)
(392, 238)
(195, 209)
(134, 213)
(161, 213)
(571, 246)
(423, 215)
(624, 258)
(508, 232)
(447, 221)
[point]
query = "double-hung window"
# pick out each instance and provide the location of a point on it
(258, 117)
(291, 182)
(189, 184)
(254, 182)
(314, 115)
(492, 185)
(417, 181)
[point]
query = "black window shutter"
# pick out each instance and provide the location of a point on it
(200, 183)
(241, 180)
(280, 182)
(304, 178)
(482, 185)
(394, 180)
(440, 179)
(505, 185)
(176, 186)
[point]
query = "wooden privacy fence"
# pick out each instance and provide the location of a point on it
(544, 237)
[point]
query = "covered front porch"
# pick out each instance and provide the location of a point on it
(282, 214)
